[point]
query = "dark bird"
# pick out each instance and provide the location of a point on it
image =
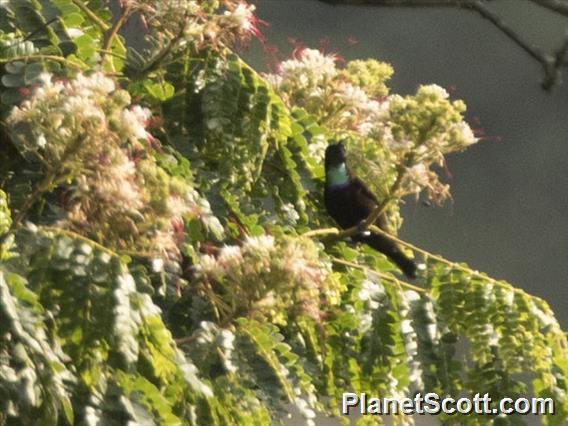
(349, 202)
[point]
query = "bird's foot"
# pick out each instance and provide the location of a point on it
(362, 229)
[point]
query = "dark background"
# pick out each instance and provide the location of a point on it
(509, 215)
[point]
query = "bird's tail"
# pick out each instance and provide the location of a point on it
(392, 251)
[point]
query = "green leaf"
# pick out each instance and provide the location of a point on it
(13, 80)
(160, 91)
(32, 73)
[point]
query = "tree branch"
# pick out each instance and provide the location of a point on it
(112, 32)
(556, 6)
(550, 62)
(497, 21)
(326, 232)
(383, 275)
(55, 58)
(401, 3)
(453, 265)
(91, 15)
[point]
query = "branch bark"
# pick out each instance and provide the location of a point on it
(556, 6)
(551, 62)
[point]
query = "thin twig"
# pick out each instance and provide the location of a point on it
(401, 3)
(111, 53)
(91, 15)
(496, 20)
(324, 232)
(329, 233)
(77, 236)
(185, 340)
(559, 61)
(50, 180)
(547, 60)
(27, 58)
(474, 5)
(375, 214)
(45, 26)
(44, 186)
(556, 6)
(113, 31)
(453, 265)
(166, 51)
(383, 275)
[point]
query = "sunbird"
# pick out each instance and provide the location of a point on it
(349, 202)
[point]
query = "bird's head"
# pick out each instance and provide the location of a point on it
(334, 155)
(336, 172)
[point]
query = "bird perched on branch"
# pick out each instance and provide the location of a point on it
(349, 202)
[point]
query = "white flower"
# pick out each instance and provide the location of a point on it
(353, 96)
(311, 63)
(157, 264)
(435, 90)
(95, 83)
(45, 78)
(164, 242)
(267, 301)
(291, 216)
(117, 185)
(465, 134)
(177, 206)
(41, 141)
(82, 108)
(230, 255)
(133, 122)
(275, 80)
(317, 147)
(365, 128)
(242, 17)
(208, 265)
(261, 244)
(418, 174)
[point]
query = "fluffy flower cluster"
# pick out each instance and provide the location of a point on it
(312, 80)
(73, 118)
(202, 23)
(422, 130)
(269, 277)
(393, 138)
(86, 131)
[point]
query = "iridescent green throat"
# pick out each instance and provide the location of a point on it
(337, 175)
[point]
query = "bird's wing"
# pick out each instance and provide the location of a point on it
(370, 200)
(360, 187)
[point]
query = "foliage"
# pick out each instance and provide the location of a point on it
(158, 215)
(5, 218)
